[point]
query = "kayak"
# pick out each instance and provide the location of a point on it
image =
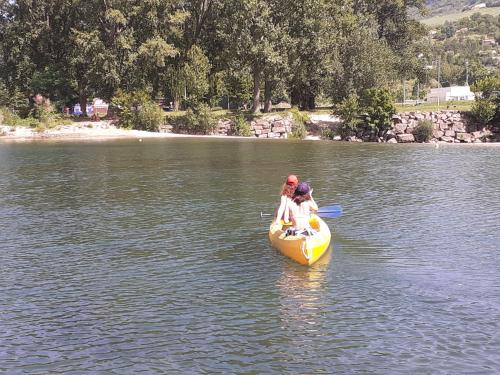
(303, 249)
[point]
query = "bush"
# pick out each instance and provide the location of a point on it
(349, 112)
(483, 111)
(299, 121)
(149, 117)
(241, 127)
(379, 108)
(423, 131)
(328, 133)
(135, 110)
(199, 120)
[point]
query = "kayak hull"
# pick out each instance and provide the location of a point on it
(303, 249)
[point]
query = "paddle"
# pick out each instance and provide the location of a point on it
(329, 212)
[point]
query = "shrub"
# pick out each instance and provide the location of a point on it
(299, 120)
(423, 131)
(135, 110)
(199, 120)
(484, 111)
(379, 108)
(149, 117)
(241, 127)
(349, 112)
(328, 133)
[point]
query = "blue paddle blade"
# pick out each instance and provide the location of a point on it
(331, 212)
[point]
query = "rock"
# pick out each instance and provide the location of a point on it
(405, 138)
(396, 119)
(392, 140)
(478, 141)
(458, 127)
(279, 129)
(400, 128)
(449, 133)
(437, 133)
(446, 139)
(337, 138)
(352, 138)
(464, 137)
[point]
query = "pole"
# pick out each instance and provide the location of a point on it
(404, 92)
(439, 71)
(466, 72)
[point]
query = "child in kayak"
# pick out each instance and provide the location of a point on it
(287, 192)
(301, 207)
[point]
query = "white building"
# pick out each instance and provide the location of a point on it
(453, 93)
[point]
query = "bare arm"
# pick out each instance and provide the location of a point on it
(282, 208)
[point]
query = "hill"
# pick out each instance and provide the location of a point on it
(438, 20)
(440, 7)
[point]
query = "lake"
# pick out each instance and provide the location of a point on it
(151, 257)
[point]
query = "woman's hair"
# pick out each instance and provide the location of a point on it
(288, 190)
(301, 193)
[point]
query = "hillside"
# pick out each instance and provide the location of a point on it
(440, 7)
(439, 20)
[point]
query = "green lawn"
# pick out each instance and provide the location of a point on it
(441, 19)
(433, 107)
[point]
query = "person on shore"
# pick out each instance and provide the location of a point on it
(302, 205)
(287, 192)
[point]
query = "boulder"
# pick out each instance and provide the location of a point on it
(449, 133)
(399, 128)
(337, 138)
(405, 138)
(437, 133)
(464, 137)
(446, 139)
(396, 119)
(279, 129)
(392, 140)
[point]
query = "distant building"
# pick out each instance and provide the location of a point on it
(489, 42)
(453, 93)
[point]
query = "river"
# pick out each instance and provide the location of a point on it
(151, 257)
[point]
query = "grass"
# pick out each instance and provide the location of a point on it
(451, 17)
(433, 107)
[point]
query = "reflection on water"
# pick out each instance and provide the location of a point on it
(301, 292)
(151, 257)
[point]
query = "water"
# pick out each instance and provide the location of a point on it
(126, 257)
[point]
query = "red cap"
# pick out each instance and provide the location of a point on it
(292, 180)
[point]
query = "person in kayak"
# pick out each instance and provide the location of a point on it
(287, 192)
(302, 205)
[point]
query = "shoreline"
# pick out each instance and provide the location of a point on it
(105, 130)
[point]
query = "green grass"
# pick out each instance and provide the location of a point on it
(433, 107)
(455, 16)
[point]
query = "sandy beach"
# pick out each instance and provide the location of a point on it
(87, 130)
(106, 130)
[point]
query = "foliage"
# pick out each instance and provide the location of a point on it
(423, 131)
(299, 117)
(299, 131)
(241, 127)
(198, 120)
(484, 110)
(379, 108)
(328, 133)
(136, 111)
(349, 112)
(190, 52)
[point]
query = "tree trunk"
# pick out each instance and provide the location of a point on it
(82, 98)
(268, 89)
(295, 97)
(311, 102)
(176, 104)
(256, 90)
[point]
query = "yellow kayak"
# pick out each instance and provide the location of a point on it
(303, 249)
